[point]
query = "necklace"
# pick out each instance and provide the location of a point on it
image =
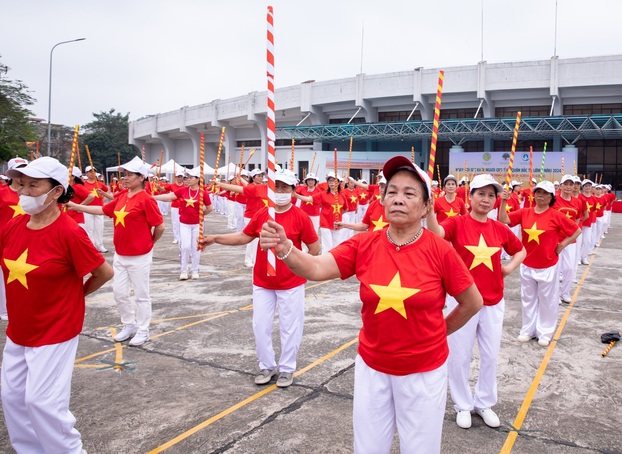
(412, 240)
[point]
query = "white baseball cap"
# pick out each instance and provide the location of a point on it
(311, 176)
(15, 162)
(194, 172)
(45, 167)
(286, 176)
(136, 165)
(89, 168)
(567, 177)
(547, 186)
(483, 180)
(255, 172)
(76, 172)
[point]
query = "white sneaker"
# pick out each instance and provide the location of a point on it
(463, 419)
(175, 241)
(523, 338)
(543, 343)
(127, 332)
(183, 276)
(4, 317)
(490, 417)
(139, 339)
(195, 275)
(584, 262)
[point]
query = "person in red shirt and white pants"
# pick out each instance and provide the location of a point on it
(285, 290)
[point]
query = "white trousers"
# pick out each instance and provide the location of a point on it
(230, 210)
(163, 207)
(2, 295)
(587, 245)
(132, 272)
(349, 217)
(415, 403)
(330, 239)
(36, 388)
(175, 222)
(94, 225)
(251, 248)
(239, 216)
(188, 236)
(567, 267)
(291, 321)
(600, 229)
(486, 326)
(539, 289)
(607, 220)
(360, 212)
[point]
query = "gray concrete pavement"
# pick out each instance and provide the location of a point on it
(191, 390)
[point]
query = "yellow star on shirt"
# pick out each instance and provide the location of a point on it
(265, 202)
(377, 196)
(17, 210)
(482, 253)
(337, 208)
(363, 195)
(190, 202)
(392, 296)
(598, 206)
(18, 269)
(568, 215)
(94, 192)
(353, 199)
(534, 233)
(379, 224)
(120, 216)
(451, 213)
(589, 207)
(309, 203)
(508, 208)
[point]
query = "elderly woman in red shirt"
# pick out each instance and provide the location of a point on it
(405, 272)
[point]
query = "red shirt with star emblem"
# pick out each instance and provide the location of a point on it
(133, 218)
(172, 187)
(189, 204)
(479, 246)
(445, 209)
(332, 209)
(255, 194)
(541, 234)
(590, 207)
(572, 208)
(298, 228)
(403, 294)
(363, 196)
(81, 193)
(91, 187)
(9, 205)
(528, 198)
(375, 217)
(311, 208)
(352, 197)
(43, 275)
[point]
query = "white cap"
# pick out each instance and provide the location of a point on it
(245, 173)
(576, 179)
(533, 180)
(180, 171)
(483, 180)
(164, 178)
(76, 172)
(194, 172)
(256, 171)
(383, 180)
(567, 177)
(434, 183)
(16, 162)
(515, 183)
(136, 165)
(363, 180)
(89, 168)
(546, 185)
(311, 176)
(587, 181)
(330, 174)
(286, 176)
(45, 167)
(450, 177)
(556, 182)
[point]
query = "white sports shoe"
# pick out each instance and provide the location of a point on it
(195, 275)
(183, 276)
(139, 339)
(127, 332)
(463, 419)
(490, 417)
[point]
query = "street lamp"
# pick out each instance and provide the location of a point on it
(50, 93)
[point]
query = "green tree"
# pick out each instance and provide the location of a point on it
(15, 126)
(106, 136)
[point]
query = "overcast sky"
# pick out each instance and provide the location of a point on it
(145, 57)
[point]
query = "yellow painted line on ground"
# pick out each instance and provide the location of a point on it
(246, 401)
(524, 408)
(118, 348)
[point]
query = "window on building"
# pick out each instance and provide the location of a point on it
(451, 114)
(340, 121)
(386, 117)
(526, 111)
(248, 143)
(592, 109)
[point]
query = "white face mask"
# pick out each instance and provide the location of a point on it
(282, 199)
(34, 205)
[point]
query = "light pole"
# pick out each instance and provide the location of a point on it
(50, 93)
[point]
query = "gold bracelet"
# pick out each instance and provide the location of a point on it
(288, 252)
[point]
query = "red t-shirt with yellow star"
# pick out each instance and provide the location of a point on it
(445, 209)
(332, 208)
(172, 187)
(363, 196)
(9, 205)
(134, 218)
(92, 188)
(189, 204)
(352, 197)
(528, 198)
(590, 207)
(298, 228)
(403, 294)
(312, 209)
(375, 217)
(601, 202)
(256, 198)
(43, 275)
(541, 234)
(479, 245)
(572, 208)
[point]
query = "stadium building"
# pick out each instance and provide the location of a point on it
(571, 104)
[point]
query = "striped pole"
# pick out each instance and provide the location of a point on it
(542, 165)
(336, 187)
(562, 166)
(239, 170)
(438, 172)
(142, 152)
(412, 154)
(222, 138)
(349, 158)
(574, 167)
(530, 167)
(508, 178)
(437, 114)
(201, 188)
(88, 155)
(74, 147)
(271, 133)
(291, 159)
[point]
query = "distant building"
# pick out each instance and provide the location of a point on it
(564, 102)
